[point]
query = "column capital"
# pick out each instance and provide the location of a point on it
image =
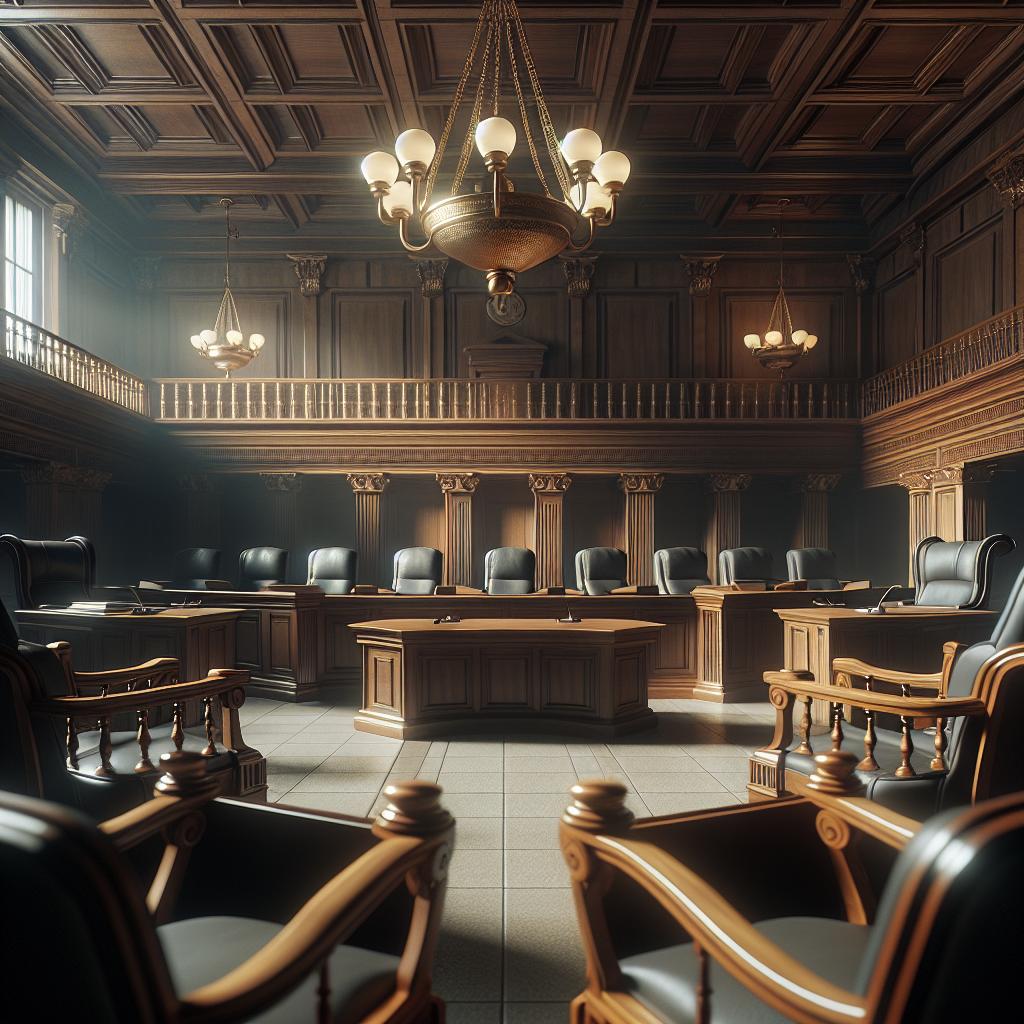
(912, 236)
(367, 483)
(67, 224)
(458, 483)
(701, 270)
(721, 482)
(920, 481)
(61, 473)
(285, 483)
(431, 272)
(578, 272)
(862, 270)
(550, 483)
(1007, 178)
(309, 269)
(641, 483)
(822, 483)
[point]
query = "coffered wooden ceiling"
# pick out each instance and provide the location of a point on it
(839, 104)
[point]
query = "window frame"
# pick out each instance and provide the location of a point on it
(17, 198)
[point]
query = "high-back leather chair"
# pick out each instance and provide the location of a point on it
(957, 574)
(679, 570)
(747, 563)
(51, 572)
(261, 567)
(815, 565)
(417, 570)
(509, 571)
(600, 570)
(333, 570)
(194, 567)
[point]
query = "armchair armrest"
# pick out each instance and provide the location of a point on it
(938, 681)
(155, 672)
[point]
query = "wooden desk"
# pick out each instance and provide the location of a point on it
(425, 679)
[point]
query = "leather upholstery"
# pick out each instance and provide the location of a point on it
(417, 570)
(333, 570)
(509, 571)
(816, 565)
(957, 574)
(261, 567)
(679, 570)
(600, 570)
(51, 571)
(745, 564)
(194, 566)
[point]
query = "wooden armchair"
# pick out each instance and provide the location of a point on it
(975, 705)
(217, 933)
(757, 913)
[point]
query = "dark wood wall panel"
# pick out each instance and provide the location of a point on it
(968, 280)
(370, 334)
(638, 334)
(896, 305)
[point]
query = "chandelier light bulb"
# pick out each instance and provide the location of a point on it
(773, 338)
(398, 202)
(812, 340)
(597, 201)
(208, 337)
(495, 135)
(612, 167)
(234, 337)
(379, 166)
(752, 341)
(415, 146)
(581, 145)
(799, 337)
(196, 342)
(256, 342)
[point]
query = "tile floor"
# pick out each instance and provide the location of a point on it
(509, 950)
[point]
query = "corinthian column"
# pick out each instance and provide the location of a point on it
(368, 488)
(283, 489)
(62, 500)
(548, 499)
(640, 489)
(812, 528)
(458, 490)
(919, 493)
(723, 529)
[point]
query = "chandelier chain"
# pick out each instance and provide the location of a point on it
(474, 117)
(524, 114)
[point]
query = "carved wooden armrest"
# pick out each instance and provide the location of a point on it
(938, 681)
(155, 672)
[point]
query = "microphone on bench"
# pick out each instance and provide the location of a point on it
(878, 609)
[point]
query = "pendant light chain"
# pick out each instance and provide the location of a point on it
(474, 117)
(524, 114)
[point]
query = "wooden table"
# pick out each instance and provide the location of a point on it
(423, 679)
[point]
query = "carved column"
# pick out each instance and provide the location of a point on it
(959, 501)
(431, 273)
(579, 271)
(723, 527)
(548, 500)
(309, 269)
(812, 528)
(62, 500)
(368, 488)
(283, 488)
(640, 489)
(458, 490)
(919, 493)
(701, 271)
(66, 221)
(1007, 177)
(862, 272)
(201, 510)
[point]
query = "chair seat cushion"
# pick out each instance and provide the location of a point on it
(665, 980)
(203, 949)
(125, 754)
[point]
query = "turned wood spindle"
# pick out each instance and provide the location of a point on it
(837, 727)
(106, 747)
(938, 762)
(323, 995)
(805, 729)
(868, 762)
(703, 1014)
(211, 727)
(144, 739)
(905, 769)
(177, 728)
(72, 742)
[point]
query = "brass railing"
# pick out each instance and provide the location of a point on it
(985, 344)
(543, 399)
(31, 345)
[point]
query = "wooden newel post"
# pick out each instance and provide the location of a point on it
(835, 774)
(599, 805)
(184, 775)
(414, 809)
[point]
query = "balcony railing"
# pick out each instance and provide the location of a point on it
(31, 345)
(999, 338)
(542, 399)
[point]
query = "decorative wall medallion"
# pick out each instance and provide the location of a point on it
(506, 309)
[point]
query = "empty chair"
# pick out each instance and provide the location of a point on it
(51, 572)
(817, 566)
(333, 570)
(261, 567)
(509, 571)
(957, 574)
(600, 570)
(417, 570)
(738, 564)
(195, 568)
(679, 570)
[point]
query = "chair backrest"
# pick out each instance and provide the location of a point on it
(816, 565)
(744, 564)
(509, 571)
(261, 567)
(938, 921)
(194, 566)
(600, 570)
(679, 570)
(957, 574)
(51, 571)
(74, 916)
(417, 570)
(333, 570)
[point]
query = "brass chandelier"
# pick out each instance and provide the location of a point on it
(782, 347)
(223, 344)
(501, 231)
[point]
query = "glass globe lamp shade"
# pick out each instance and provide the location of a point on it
(597, 201)
(379, 166)
(415, 146)
(208, 337)
(234, 337)
(799, 337)
(752, 341)
(581, 145)
(197, 342)
(398, 202)
(612, 166)
(812, 340)
(495, 135)
(773, 338)
(256, 342)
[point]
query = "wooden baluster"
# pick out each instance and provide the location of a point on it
(837, 726)
(805, 729)
(177, 728)
(211, 727)
(905, 769)
(543, 400)
(938, 762)
(72, 744)
(572, 400)
(703, 993)
(144, 739)
(558, 400)
(106, 748)
(324, 1013)
(868, 762)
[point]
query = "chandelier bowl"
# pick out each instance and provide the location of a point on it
(228, 357)
(778, 357)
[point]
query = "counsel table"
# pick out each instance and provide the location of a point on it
(422, 678)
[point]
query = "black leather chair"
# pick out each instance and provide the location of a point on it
(91, 932)
(815, 565)
(261, 567)
(509, 571)
(51, 572)
(737, 564)
(981, 754)
(957, 574)
(333, 570)
(417, 570)
(196, 569)
(679, 570)
(600, 570)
